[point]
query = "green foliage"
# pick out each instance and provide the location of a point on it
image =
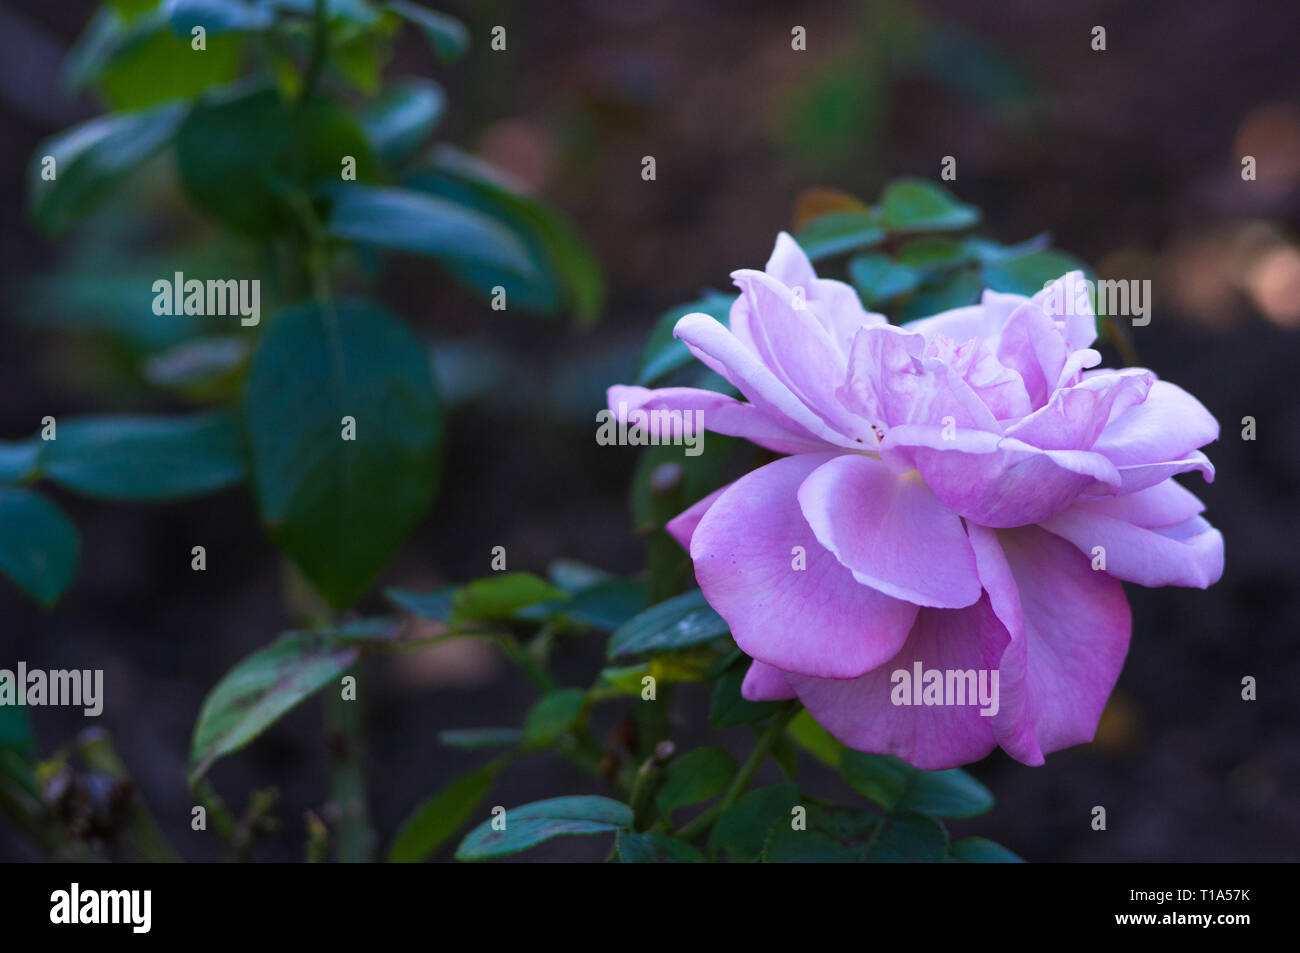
(256, 104)
(145, 459)
(91, 159)
(332, 503)
(696, 776)
(654, 847)
(679, 622)
(38, 544)
(262, 688)
(535, 823)
(560, 272)
(443, 814)
(553, 715)
(906, 257)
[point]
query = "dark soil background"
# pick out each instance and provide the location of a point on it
(1129, 157)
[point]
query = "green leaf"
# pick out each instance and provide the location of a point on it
(606, 605)
(727, 707)
(138, 60)
(153, 65)
(933, 255)
(216, 16)
(788, 846)
(664, 353)
(914, 205)
(897, 786)
(534, 823)
(230, 152)
(552, 715)
(907, 838)
(91, 160)
(409, 221)
(38, 545)
(355, 12)
(500, 597)
(16, 732)
(434, 822)
(952, 291)
(573, 575)
(341, 508)
(847, 835)
(18, 460)
(741, 832)
(446, 35)
(565, 272)
(435, 605)
(839, 232)
(989, 252)
(324, 134)
(1029, 274)
(680, 622)
(145, 459)
(403, 117)
(694, 777)
(981, 850)
(260, 689)
(816, 740)
(473, 739)
(654, 847)
(879, 279)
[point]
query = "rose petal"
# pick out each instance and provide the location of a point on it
(1069, 628)
(891, 532)
(723, 352)
(1187, 552)
(718, 413)
(763, 683)
(1168, 425)
(818, 620)
(861, 712)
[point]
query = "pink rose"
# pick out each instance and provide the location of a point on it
(964, 492)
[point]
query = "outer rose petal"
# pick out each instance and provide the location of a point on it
(1168, 425)
(861, 713)
(1184, 551)
(1144, 475)
(682, 526)
(725, 353)
(763, 683)
(891, 532)
(1069, 630)
(719, 413)
(819, 620)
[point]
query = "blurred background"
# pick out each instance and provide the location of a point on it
(1130, 157)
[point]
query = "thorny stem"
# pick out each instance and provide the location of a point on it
(647, 783)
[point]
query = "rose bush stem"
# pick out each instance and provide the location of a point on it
(766, 741)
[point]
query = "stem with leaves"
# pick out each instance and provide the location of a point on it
(745, 776)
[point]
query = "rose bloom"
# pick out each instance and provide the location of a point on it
(965, 492)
